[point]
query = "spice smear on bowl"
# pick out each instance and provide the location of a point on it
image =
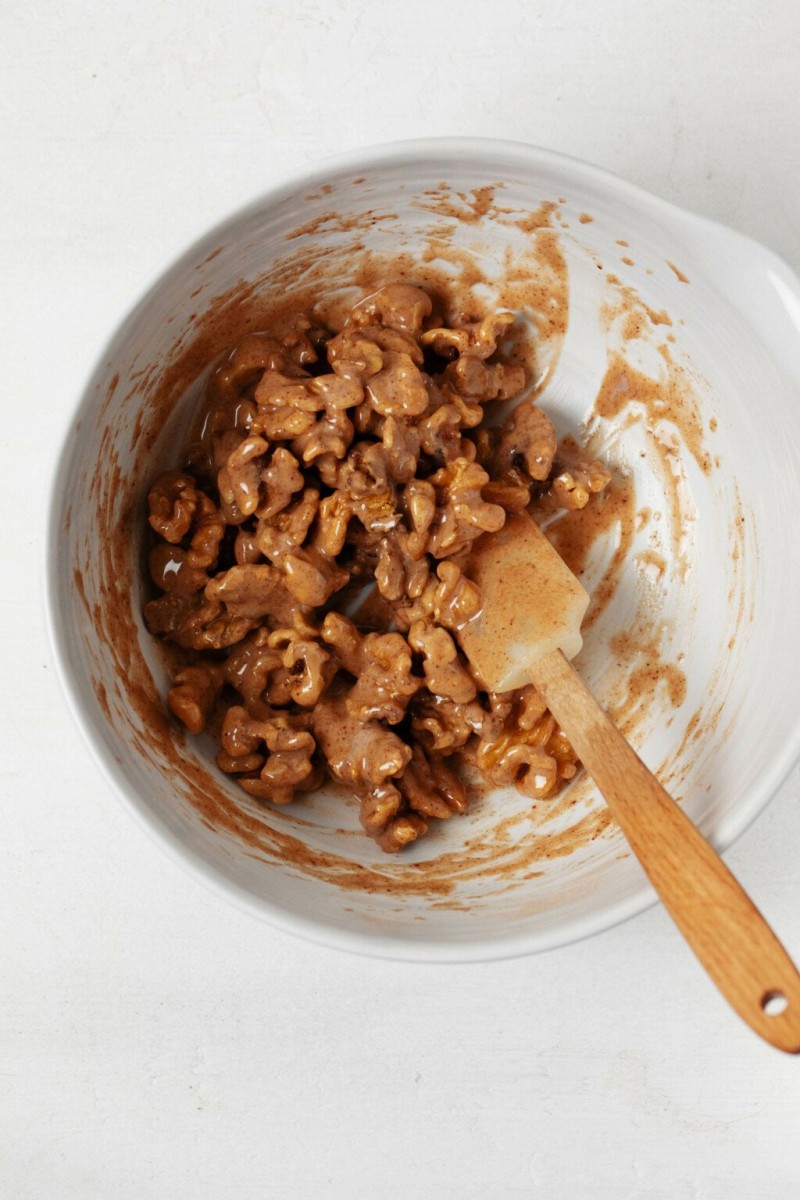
(309, 557)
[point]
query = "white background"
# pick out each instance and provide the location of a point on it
(154, 1042)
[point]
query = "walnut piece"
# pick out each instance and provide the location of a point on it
(194, 693)
(284, 751)
(577, 477)
(462, 514)
(527, 441)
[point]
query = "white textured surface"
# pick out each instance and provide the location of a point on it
(154, 1042)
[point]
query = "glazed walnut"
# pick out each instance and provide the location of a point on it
(194, 693)
(331, 461)
(272, 757)
(191, 528)
(576, 478)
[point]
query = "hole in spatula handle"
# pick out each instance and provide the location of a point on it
(774, 1003)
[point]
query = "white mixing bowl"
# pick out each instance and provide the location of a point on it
(705, 599)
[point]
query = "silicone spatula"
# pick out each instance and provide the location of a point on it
(526, 632)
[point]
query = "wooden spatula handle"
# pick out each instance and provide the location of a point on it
(713, 912)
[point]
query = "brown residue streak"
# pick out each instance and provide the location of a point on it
(628, 305)
(109, 396)
(584, 218)
(744, 547)
(469, 274)
(466, 207)
(646, 673)
(102, 698)
(651, 563)
(478, 205)
(482, 201)
(138, 426)
(677, 271)
(77, 579)
(340, 223)
(634, 325)
(628, 261)
(667, 399)
(666, 412)
(538, 218)
(622, 242)
(700, 730)
(714, 719)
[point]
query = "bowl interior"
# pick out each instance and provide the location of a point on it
(635, 349)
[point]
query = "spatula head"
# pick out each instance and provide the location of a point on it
(531, 603)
